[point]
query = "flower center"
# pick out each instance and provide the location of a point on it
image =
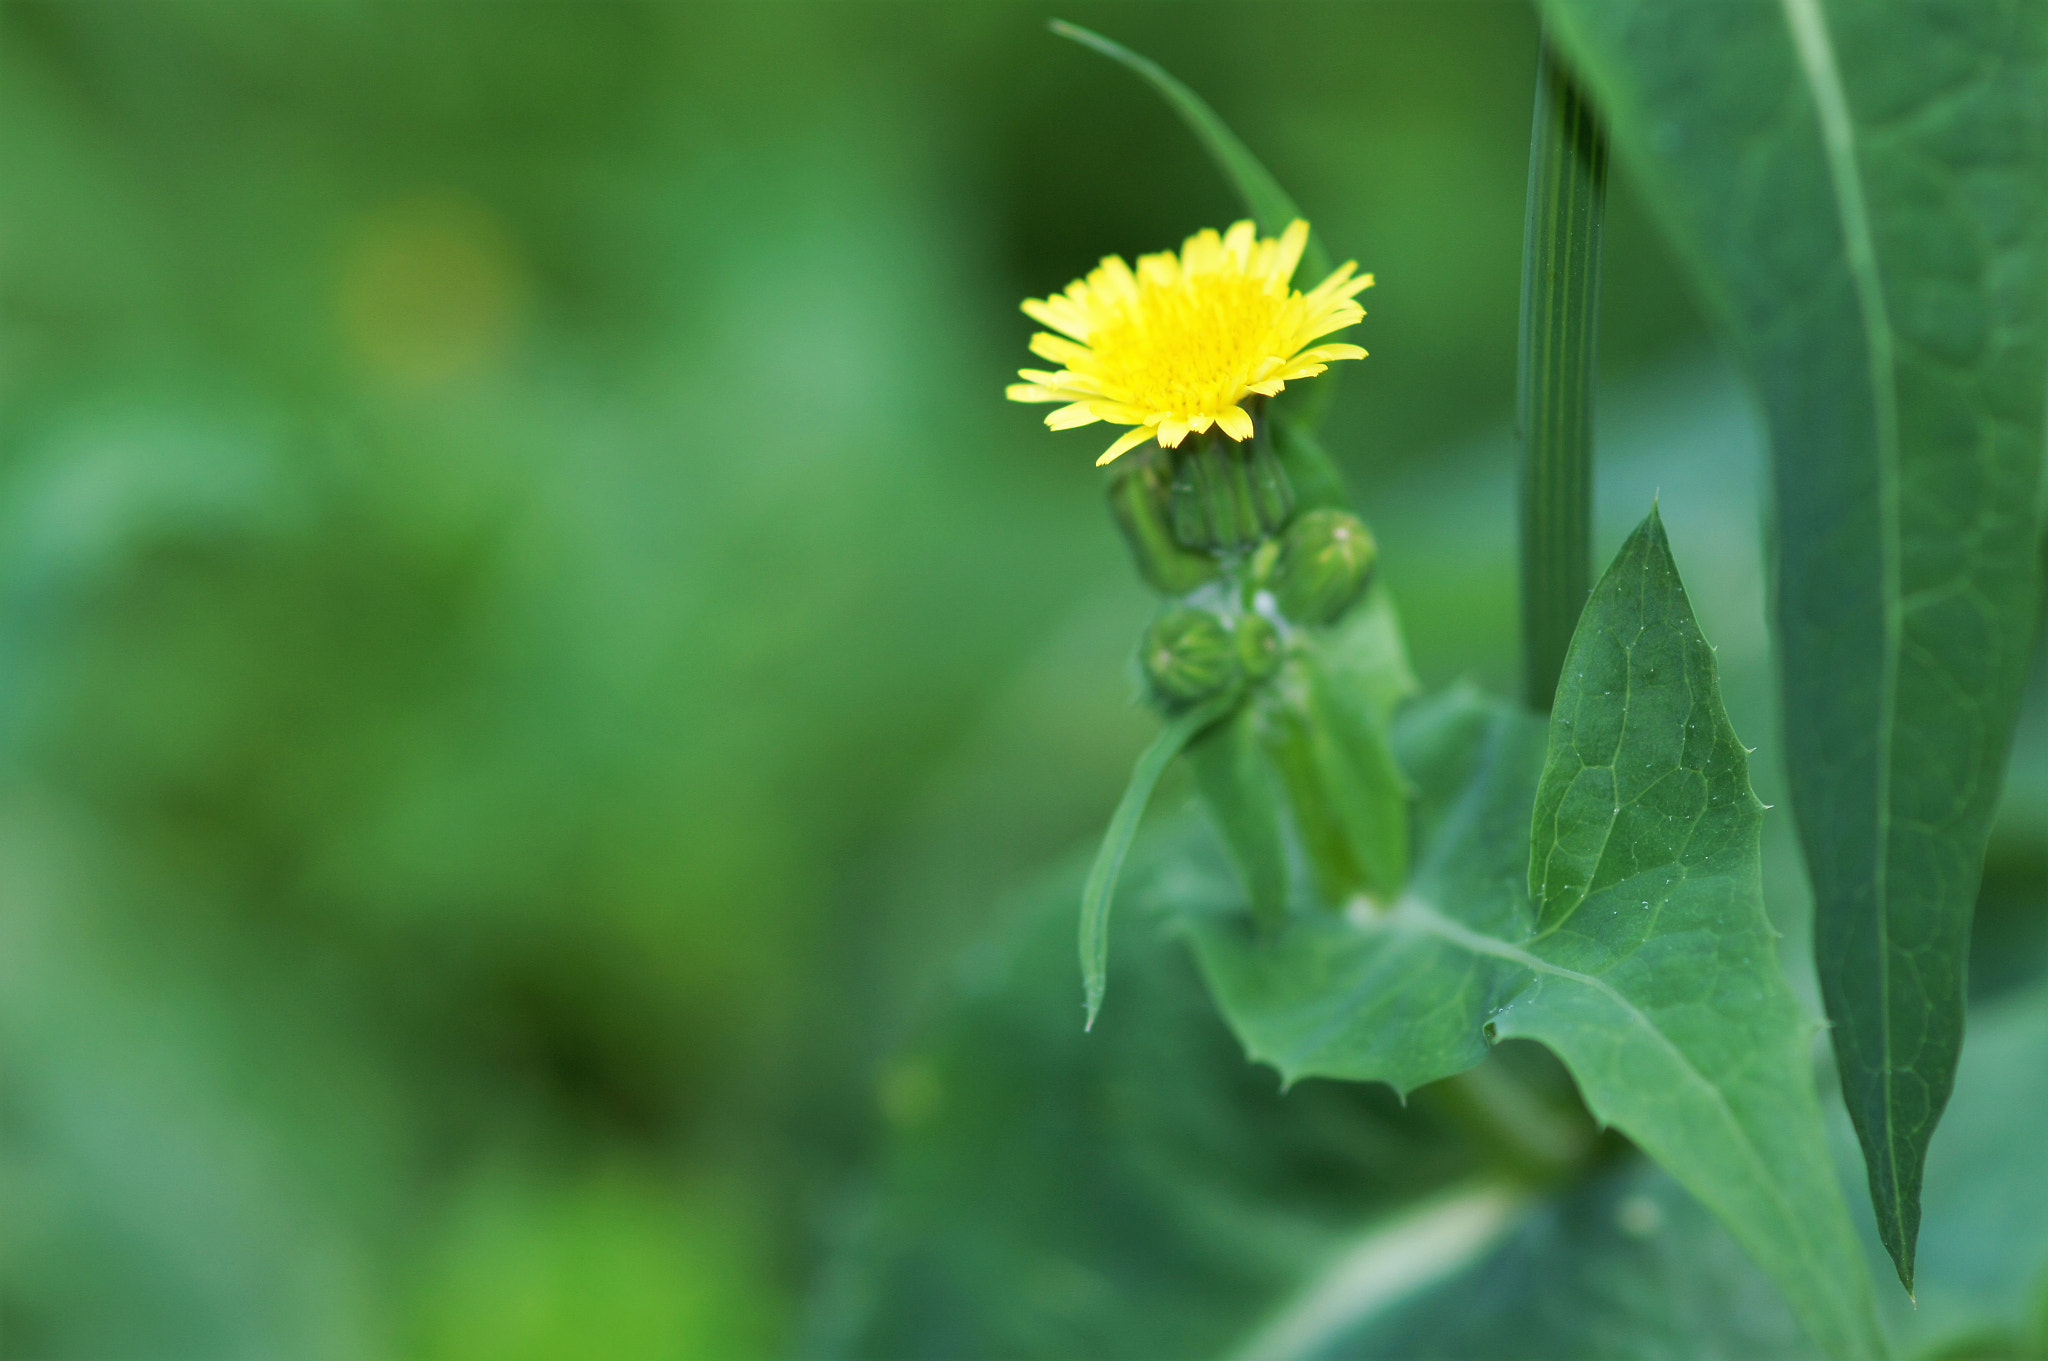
(1192, 346)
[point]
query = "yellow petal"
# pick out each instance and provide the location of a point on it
(1288, 256)
(1238, 242)
(1129, 440)
(1328, 290)
(1031, 392)
(1172, 430)
(1236, 423)
(1069, 417)
(1060, 313)
(1302, 371)
(1066, 380)
(1327, 353)
(1059, 349)
(1348, 314)
(1114, 280)
(1159, 271)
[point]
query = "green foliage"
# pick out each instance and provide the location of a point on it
(527, 633)
(1644, 958)
(1984, 1259)
(1100, 890)
(1862, 194)
(1142, 1192)
(1301, 781)
(1555, 370)
(1269, 204)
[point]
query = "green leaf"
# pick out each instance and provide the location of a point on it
(1555, 370)
(1143, 1192)
(1861, 191)
(1139, 1191)
(1244, 795)
(1310, 469)
(1985, 1268)
(1620, 1267)
(1270, 206)
(1647, 965)
(1100, 890)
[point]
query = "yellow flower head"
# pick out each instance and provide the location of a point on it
(1180, 343)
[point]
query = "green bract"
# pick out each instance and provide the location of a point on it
(1325, 560)
(1188, 654)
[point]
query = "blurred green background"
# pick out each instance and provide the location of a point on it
(527, 630)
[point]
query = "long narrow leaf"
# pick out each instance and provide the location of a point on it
(1097, 893)
(1554, 397)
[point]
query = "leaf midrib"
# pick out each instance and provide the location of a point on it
(1413, 913)
(1614, 816)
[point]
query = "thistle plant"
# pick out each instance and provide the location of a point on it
(1386, 883)
(1188, 349)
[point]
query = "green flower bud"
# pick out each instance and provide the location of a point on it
(1188, 655)
(1324, 564)
(1140, 495)
(1258, 646)
(1228, 496)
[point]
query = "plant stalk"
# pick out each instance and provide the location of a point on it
(1525, 1135)
(1554, 387)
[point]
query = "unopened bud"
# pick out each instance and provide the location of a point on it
(1188, 655)
(1140, 495)
(1228, 496)
(1324, 564)
(1258, 646)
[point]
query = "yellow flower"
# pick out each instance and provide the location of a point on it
(1178, 344)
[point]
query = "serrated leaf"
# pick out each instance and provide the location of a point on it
(1143, 1192)
(1861, 191)
(1139, 1191)
(1649, 966)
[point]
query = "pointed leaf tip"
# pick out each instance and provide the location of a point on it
(1100, 889)
(1897, 697)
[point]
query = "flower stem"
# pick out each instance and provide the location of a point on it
(1530, 1139)
(1554, 396)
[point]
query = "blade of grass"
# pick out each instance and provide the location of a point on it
(1123, 827)
(1554, 389)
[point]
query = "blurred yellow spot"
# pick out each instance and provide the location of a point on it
(431, 291)
(909, 1093)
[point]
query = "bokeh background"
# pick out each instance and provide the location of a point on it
(527, 631)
